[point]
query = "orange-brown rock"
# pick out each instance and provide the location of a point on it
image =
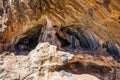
(96, 15)
(95, 21)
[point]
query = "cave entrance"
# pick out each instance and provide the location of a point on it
(30, 41)
(68, 38)
(77, 38)
(27, 43)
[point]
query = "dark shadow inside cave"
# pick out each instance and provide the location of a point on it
(86, 39)
(30, 41)
(64, 42)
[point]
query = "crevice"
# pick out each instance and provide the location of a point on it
(80, 68)
(64, 42)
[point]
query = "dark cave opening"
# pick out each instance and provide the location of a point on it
(30, 41)
(70, 39)
(64, 42)
(86, 39)
(27, 44)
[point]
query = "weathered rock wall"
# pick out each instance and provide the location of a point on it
(99, 18)
(74, 26)
(45, 62)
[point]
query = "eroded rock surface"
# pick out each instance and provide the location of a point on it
(85, 35)
(85, 24)
(45, 62)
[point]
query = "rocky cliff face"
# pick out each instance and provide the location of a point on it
(93, 23)
(74, 26)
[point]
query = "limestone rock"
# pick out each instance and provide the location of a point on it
(87, 24)
(46, 62)
(67, 38)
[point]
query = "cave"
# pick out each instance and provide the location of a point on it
(59, 39)
(66, 36)
(30, 41)
(64, 42)
(87, 40)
